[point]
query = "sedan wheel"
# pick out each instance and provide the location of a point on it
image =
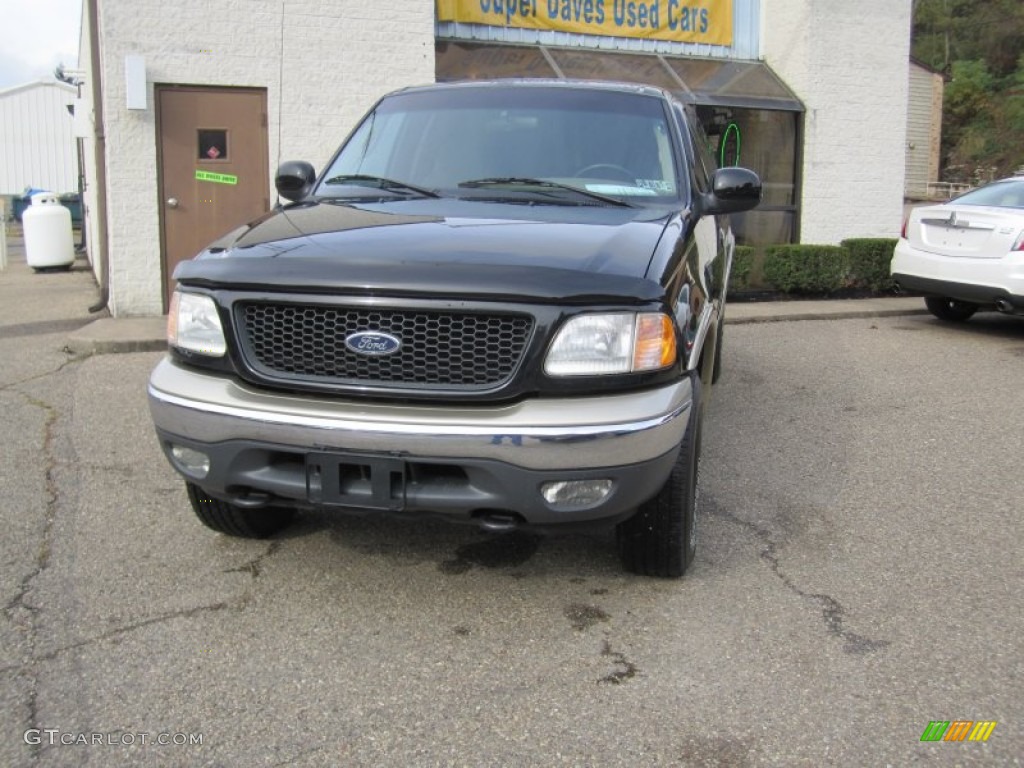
(950, 309)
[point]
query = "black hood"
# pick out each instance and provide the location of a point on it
(454, 248)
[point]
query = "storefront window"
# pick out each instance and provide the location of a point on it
(764, 141)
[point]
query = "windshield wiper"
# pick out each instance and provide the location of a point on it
(522, 181)
(391, 185)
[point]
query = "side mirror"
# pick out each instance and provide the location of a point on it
(733, 190)
(294, 180)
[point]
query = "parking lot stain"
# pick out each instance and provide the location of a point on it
(624, 668)
(583, 617)
(461, 630)
(499, 551)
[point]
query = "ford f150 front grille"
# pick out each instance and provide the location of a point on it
(359, 346)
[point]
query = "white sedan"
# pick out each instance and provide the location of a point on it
(967, 254)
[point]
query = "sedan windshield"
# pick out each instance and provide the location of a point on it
(486, 143)
(1001, 194)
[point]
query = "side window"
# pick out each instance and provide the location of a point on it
(697, 150)
(704, 158)
(704, 150)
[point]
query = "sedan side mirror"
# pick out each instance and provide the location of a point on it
(294, 180)
(733, 190)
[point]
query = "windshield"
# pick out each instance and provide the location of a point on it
(1002, 194)
(499, 142)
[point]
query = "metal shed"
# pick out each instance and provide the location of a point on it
(924, 129)
(37, 144)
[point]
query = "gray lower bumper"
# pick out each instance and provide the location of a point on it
(456, 461)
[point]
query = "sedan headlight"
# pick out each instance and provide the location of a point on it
(193, 324)
(620, 342)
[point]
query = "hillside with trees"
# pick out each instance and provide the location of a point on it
(979, 46)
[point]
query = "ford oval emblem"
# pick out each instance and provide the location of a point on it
(373, 343)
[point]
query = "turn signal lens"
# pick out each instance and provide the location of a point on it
(172, 319)
(655, 345)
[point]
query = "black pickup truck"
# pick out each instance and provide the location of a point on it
(501, 303)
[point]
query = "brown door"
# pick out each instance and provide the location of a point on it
(213, 172)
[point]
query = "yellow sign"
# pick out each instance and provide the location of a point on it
(684, 21)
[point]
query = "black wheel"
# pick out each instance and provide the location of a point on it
(618, 170)
(950, 309)
(233, 520)
(661, 538)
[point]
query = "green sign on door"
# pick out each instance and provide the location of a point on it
(216, 178)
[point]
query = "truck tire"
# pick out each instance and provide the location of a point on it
(234, 520)
(661, 538)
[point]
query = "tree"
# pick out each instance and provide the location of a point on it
(978, 46)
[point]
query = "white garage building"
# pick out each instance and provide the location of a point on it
(37, 144)
(193, 106)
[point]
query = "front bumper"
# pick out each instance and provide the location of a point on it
(976, 280)
(466, 462)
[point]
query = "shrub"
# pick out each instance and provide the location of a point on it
(807, 268)
(742, 266)
(869, 262)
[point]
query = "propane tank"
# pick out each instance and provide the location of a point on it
(49, 241)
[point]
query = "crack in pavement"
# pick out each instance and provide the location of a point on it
(185, 613)
(832, 611)
(255, 566)
(300, 756)
(18, 604)
(71, 360)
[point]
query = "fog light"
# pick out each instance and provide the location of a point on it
(576, 494)
(190, 461)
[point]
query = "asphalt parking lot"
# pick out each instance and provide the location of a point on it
(858, 576)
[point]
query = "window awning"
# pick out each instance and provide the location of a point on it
(711, 82)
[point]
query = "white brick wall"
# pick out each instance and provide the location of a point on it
(848, 63)
(323, 64)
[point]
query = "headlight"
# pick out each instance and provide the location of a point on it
(193, 324)
(621, 342)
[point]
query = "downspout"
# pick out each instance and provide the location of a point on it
(100, 157)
